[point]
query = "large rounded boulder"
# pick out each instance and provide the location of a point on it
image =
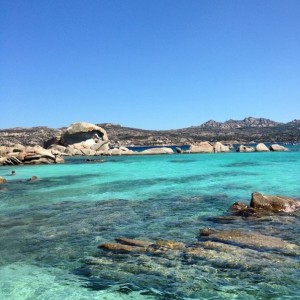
(276, 147)
(162, 150)
(202, 147)
(261, 147)
(82, 131)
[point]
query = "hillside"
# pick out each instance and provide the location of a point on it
(240, 131)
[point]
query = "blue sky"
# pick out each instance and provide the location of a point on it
(153, 64)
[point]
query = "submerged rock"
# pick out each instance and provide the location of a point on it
(33, 179)
(2, 180)
(133, 242)
(170, 244)
(121, 247)
(228, 251)
(250, 239)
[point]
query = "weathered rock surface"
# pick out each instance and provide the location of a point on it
(18, 155)
(243, 148)
(80, 139)
(219, 147)
(276, 147)
(179, 150)
(82, 131)
(261, 148)
(202, 147)
(250, 240)
(261, 205)
(273, 203)
(207, 147)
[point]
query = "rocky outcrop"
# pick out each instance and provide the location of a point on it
(261, 148)
(202, 147)
(265, 204)
(273, 203)
(179, 150)
(219, 147)
(80, 139)
(19, 155)
(82, 132)
(207, 147)
(243, 148)
(276, 147)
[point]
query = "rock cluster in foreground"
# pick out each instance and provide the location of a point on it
(249, 250)
(263, 204)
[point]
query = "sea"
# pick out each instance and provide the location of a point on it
(50, 228)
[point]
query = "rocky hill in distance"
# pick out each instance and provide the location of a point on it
(249, 122)
(232, 131)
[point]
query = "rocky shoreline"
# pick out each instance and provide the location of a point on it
(85, 139)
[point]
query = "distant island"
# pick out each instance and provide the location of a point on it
(232, 131)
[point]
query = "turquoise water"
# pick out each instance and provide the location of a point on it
(50, 228)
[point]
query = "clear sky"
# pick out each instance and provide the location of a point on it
(153, 64)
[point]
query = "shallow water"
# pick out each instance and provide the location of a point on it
(50, 228)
